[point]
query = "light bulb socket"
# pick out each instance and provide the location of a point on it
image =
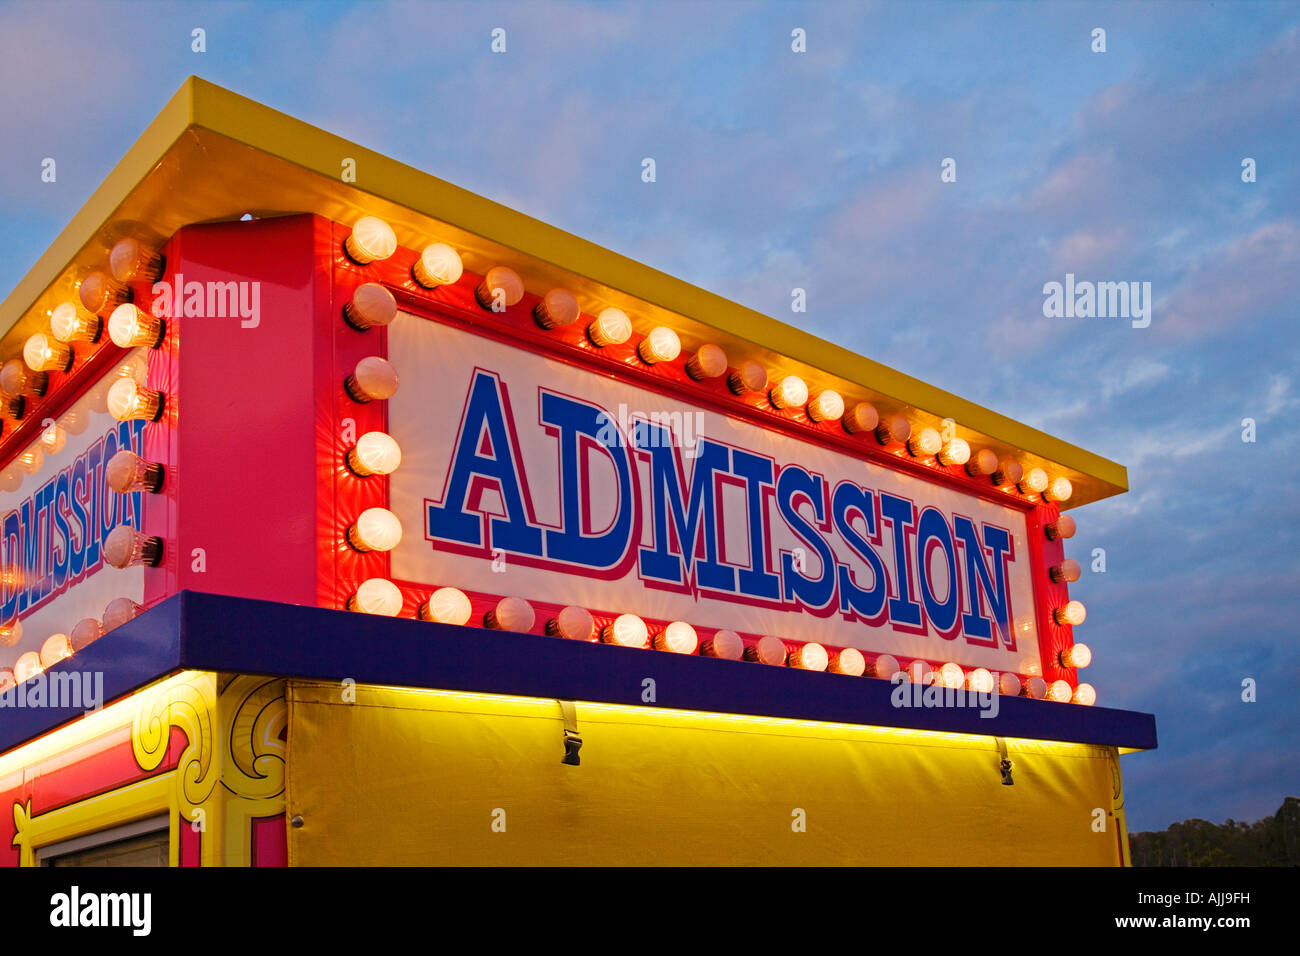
(12, 407)
(1062, 527)
(101, 293)
(45, 353)
(131, 261)
(69, 325)
(371, 305)
(126, 546)
(438, 264)
(1007, 473)
(130, 326)
(982, 464)
(370, 240)
(17, 379)
(130, 401)
(862, 417)
(893, 429)
(499, 289)
(748, 377)
(709, 361)
(1067, 572)
(555, 309)
(127, 472)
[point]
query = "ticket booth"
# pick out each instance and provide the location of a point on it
(350, 518)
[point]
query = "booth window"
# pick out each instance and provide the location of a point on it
(142, 843)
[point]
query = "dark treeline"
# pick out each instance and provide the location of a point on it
(1272, 841)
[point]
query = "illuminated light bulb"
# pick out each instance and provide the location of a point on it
(374, 379)
(376, 529)
(10, 480)
(371, 305)
(826, 406)
(956, 452)
(12, 407)
(377, 596)
(950, 675)
(848, 661)
(30, 461)
(371, 240)
(439, 264)
(709, 361)
(980, 681)
(1035, 480)
(1067, 571)
(1073, 614)
(11, 633)
(68, 325)
(1084, 694)
(573, 623)
(885, 666)
(558, 307)
(128, 401)
(101, 293)
(749, 376)
(809, 657)
(1009, 684)
(27, 666)
(726, 645)
(660, 345)
(1077, 655)
(611, 327)
(984, 462)
(1060, 489)
(6, 679)
(499, 289)
(768, 650)
(52, 439)
(1062, 527)
(17, 379)
(45, 353)
(511, 614)
(446, 606)
(132, 261)
(130, 326)
(1035, 688)
(375, 453)
(790, 392)
(862, 417)
(893, 428)
(57, 647)
(125, 546)
(678, 638)
(84, 632)
(925, 443)
(1060, 691)
(627, 630)
(118, 611)
(1008, 472)
(126, 472)
(920, 672)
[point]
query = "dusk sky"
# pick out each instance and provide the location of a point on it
(821, 170)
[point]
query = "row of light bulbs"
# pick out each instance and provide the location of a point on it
(58, 647)
(452, 606)
(372, 305)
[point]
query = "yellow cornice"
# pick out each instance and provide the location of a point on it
(212, 154)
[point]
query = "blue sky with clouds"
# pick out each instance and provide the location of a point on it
(821, 170)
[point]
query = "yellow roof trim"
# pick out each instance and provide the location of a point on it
(205, 131)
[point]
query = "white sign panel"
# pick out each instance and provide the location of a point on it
(527, 476)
